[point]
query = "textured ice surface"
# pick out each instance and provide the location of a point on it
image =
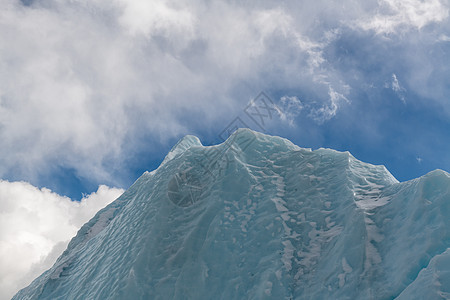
(260, 218)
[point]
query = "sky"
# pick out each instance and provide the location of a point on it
(94, 93)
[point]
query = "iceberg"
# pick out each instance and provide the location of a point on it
(258, 217)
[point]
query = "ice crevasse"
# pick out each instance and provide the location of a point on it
(258, 217)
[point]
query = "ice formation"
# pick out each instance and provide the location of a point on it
(257, 217)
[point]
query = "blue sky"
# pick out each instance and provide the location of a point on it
(96, 92)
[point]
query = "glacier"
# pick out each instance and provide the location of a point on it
(258, 217)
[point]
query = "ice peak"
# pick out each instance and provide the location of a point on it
(245, 137)
(259, 217)
(185, 143)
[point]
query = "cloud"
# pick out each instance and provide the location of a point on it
(397, 88)
(328, 111)
(399, 15)
(83, 89)
(290, 109)
(93, 76)
(35, 228)
(156, 18)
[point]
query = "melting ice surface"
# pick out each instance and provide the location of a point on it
(260, 218)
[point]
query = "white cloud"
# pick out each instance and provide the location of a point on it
(397, 88)
(329, 110)
(397, 15)
(444, 38)
(35, 227)
(290, 109)
(93, 75)
(152, 18)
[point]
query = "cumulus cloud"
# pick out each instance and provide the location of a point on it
(36, 226)
(80, 80)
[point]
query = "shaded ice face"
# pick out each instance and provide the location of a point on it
(185, 188)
